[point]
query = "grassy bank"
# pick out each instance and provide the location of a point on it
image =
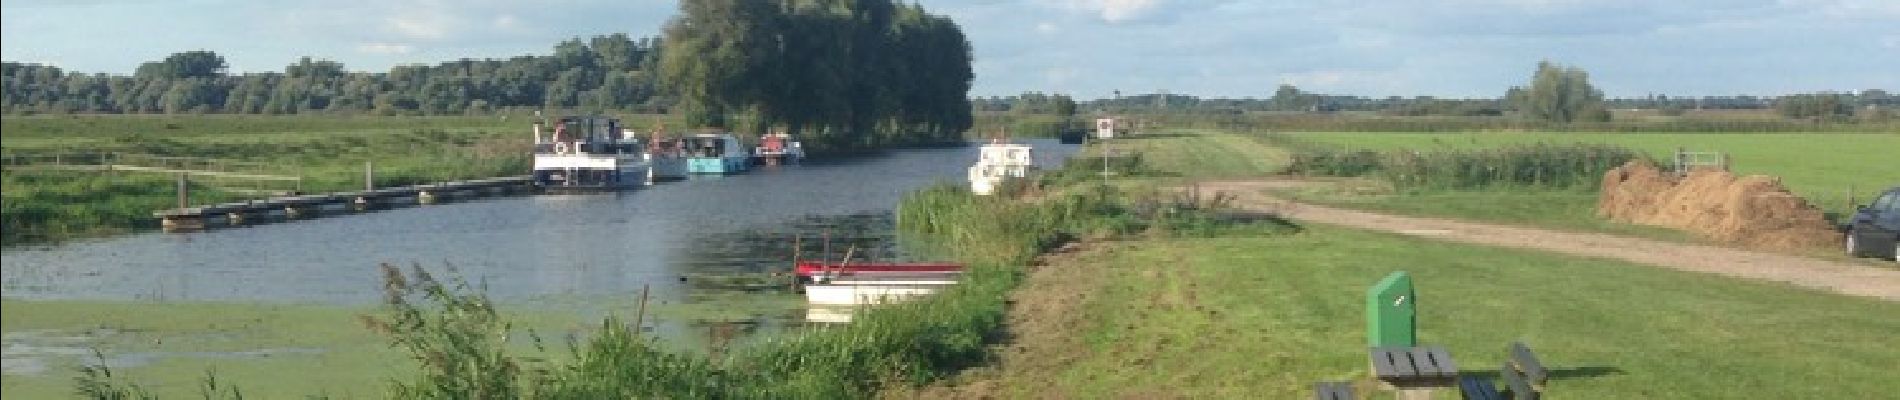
(329, 152)
(1264, 317)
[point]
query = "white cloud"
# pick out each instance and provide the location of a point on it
(1047, 28)
(385, 48)
(1058, 76)
(1114, 11)
(1315, 78)
(422, 26)
(508, 21)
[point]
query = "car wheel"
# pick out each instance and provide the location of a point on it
(1853, 246)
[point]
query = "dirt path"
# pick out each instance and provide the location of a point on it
(1844, 278)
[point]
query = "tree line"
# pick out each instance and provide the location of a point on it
(611, 72)
(1555, 93)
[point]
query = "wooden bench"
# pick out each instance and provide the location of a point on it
(1333, 391)
(1413, 366)
(1523, 374)
(1526, 363)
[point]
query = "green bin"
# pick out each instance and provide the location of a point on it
(1392, 313)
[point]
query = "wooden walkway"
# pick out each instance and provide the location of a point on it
(307, 206)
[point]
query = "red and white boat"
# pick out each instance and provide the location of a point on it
(808, 269)
(849, 284)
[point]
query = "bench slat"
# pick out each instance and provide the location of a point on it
(1333, 391)
(1392, 362)
(1527, 362)
(1475, 388)
(1440, 359)
(1422, 362)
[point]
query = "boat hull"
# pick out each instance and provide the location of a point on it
(848, 293)
(668, 169)
(716, 165)
(581, 173)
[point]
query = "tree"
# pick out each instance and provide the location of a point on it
(190, 64)
(1559, 94)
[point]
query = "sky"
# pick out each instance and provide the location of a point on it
(1085, 48)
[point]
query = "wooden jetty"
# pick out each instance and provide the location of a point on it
(187, 219)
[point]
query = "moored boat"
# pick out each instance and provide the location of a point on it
(842, 292)
(715, 153)
(590, 153)
(848, 283)
(998, 162)
(668, 158)
(779, 148)
(810, 271)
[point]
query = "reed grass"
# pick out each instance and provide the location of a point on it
(1531, 165)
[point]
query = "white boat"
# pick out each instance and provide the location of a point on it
(999, 162)
(847, 293)
(588, 153)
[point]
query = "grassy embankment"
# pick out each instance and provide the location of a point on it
(1265, 316)
(1821, 167)
(329, 152)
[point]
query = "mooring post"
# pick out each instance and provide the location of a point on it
(639, 318)
(184, 190)
(369, 175)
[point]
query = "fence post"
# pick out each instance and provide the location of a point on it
(1850, 200)
(1680, 153)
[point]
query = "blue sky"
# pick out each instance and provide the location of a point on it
(1088, 48)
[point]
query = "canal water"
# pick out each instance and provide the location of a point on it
(532, 251)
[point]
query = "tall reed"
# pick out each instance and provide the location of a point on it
(1538, 165)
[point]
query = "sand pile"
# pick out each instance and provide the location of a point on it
(1753, 211)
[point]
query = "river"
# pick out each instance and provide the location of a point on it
(528, 250)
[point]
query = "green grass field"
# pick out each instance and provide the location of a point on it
(1818, 166)
(1264, 317)
(1200, 153)
(329, 152)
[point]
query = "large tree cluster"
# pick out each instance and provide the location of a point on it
(846, 73)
